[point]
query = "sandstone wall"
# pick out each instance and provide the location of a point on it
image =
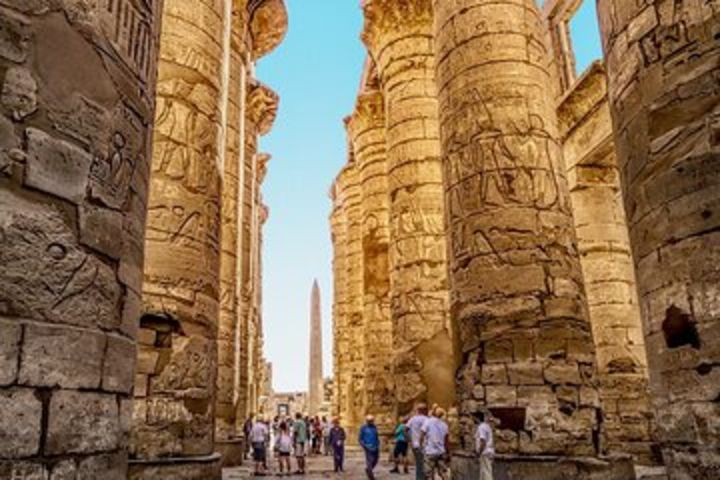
(74, 169)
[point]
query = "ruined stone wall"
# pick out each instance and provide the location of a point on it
(399, 37)
(74, 169)
(601, 226)
(367, 131)
(174, 408)
(516, 283)
(663, 68)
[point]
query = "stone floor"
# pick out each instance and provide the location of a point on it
(322, 468)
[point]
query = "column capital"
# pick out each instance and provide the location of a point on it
(268, 25)
(369, 113)
(262, 106)
(385, 19)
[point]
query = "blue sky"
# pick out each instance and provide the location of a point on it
(317, 71)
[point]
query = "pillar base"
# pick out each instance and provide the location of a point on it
(232, 451)
(177, 468)
(510, 467)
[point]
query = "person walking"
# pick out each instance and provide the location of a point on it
(415, 425)
(300, 439)
(370, 442)
(337, 438)
(400, 453)
(247, 428)
(259, 435)
(485, 447)
(327, 445)
(283, 446)
(436, 445)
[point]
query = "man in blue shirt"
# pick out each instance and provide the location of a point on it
(370, 443)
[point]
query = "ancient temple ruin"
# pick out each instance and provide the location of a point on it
(510, 236)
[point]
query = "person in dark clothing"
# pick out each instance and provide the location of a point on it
(370, 442)
(247, 428)
(337, 439)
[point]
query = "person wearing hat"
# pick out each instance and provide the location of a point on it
(436, 445)
(370, 442)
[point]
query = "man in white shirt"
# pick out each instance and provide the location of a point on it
(259, 435)
(415, 425)
(436, 445)
(485, 447)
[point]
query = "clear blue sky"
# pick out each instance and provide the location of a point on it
(317, 71)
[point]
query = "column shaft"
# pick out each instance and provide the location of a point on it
(663, 61)
(400, 39)
(340, 349)
(517, 287)
(76, 102)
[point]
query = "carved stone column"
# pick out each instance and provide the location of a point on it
(339, 237)
(399, 35)
(226, 434)
(174, 409)
(261, 110)
(517, 287)
(663, 61)
(367, 130)
(74, 166)
(355, 344)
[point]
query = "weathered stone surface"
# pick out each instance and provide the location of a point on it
(10, 332)
(120, 354)
(82, 422)
(20, 423)
(62, 357)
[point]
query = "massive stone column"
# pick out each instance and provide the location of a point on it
(367, 129)
(663, 61)
(517, 287)
(315, 380)
(339, 238)
(606, 259)
(174, 409)
(261, 110)
(74, 166)
(399, 35)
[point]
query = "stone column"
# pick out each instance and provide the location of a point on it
(174, 409)
(517, 287)
(339, 237)
(606, 259)
(663, 61)
(355, 344)
(261, 110)
(226, 421)
(399, 35)
(74, 166)
(367, 129)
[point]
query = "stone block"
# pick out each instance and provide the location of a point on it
(563, 374)
(56, 166)
(64, 470)
(119, 364)
(102, 229)
(494, 374)
(147, 360)
(141, 386)
(146, 336)
(501, 396)
(82, 422)
(20, 423)
(108, 467)
(498, 351)
(65, 357)
(24, 470)
(10, 332)
(526, 373)
(15, 35)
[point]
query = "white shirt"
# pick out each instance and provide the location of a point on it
(284, 443)
(436, 431)
(415, 425)
(259, 433)
(484, 432)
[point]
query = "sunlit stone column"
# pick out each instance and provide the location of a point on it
(663, 61)
(261, 110)
(399, 35)
(174, 410)
(76, 102)
(516, 283)
(355, 345)
(339, 237)
(367, 130)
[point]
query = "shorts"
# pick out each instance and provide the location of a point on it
(259, 452)
(435, 463)
(300, 449)
(401, 449)
(284, 454)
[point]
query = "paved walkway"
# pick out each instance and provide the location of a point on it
(322, 468)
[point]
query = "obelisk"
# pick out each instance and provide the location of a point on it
(316, 357)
